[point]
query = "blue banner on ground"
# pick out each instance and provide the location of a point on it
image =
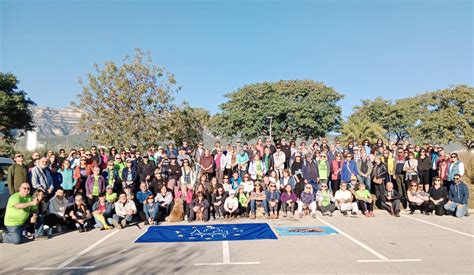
(305, 231)
(207, 233)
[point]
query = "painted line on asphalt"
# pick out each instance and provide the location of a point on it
(364, 246)
(55, 268)
(390, 261)
(225, 252)
(226, 258)
(437, 225)
(87, 250)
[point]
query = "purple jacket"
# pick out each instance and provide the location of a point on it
(285, 197)
(307, 198)
(90, 184)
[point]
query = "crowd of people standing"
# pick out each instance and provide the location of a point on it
(110, 188)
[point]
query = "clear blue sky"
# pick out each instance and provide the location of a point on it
(363, 49)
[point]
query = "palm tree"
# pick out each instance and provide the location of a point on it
(360, 129)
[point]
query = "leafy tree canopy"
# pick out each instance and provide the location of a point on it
(15, 112)
(299, 108)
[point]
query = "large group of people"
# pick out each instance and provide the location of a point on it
(112, 188)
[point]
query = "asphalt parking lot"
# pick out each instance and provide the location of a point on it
(384, 244)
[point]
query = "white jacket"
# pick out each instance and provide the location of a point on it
(253, 169)
(231, 203)
(122, 210)
(279, 159)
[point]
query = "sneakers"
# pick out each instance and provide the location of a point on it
(325, 213)
(313, 215)
(28, 235)
(291, 215)
(116, 224)
(353, 214)
(49, 232)
(59, 228)
(80, 229)
(252, 216)
(123, 223)
(344, 213)
(284, 214)
(371, 214)
(397, 214)
(300, 215)
(366, 213)
(186, 218)
(330, 214)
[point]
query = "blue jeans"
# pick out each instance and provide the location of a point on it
(14, 235)
(315, 185)
(39, 230)
(453, 207)
(366, 181)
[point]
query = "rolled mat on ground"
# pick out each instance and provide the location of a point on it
(207, 233)
(305, 231)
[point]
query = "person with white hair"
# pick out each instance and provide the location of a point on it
(41, 177)
(344, 201)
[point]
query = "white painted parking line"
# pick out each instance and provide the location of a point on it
(389, 261)
(64, 266)
(370, 250)
(382, 258)
(226, 258)
(439, 226)
(85, 251)
(55, 268)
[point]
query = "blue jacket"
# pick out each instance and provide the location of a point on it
(348, 169)
(141, 196)
(458, 193)
(276, 195)
(108, 208)
(291, 181)
(125, 174)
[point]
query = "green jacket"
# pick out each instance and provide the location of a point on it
(17, 174)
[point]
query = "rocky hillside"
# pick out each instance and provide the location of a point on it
(52, 122)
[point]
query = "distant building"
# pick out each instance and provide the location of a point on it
(31, 140)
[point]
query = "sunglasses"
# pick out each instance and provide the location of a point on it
(323, 186)
(414, 185)
(457, 178)
(307, 188)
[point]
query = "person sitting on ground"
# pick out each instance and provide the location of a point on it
(80, 215)
(110, 195)
(273, 198)
(151, 208)
(218, 200)
(142, 196)
(164, 198)
(244, 201)
(19, 207)
(56, 212)
(364, 200)
(257, 199)
(288, 199)
(125, 209)
(457, 198)
(102, 210)
(438, 197)
(307, 199)
(199, 208)
(391, 200)
(416, 198)
(344, 201)
(325, 200)
(231, 205)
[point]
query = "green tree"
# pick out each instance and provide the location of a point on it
(15, 112)
(397, 118)
(128, 103)
(360, 129)
(186, 123)
(449, 117)
(303, 108)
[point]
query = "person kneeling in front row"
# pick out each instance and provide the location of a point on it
(457, 198)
